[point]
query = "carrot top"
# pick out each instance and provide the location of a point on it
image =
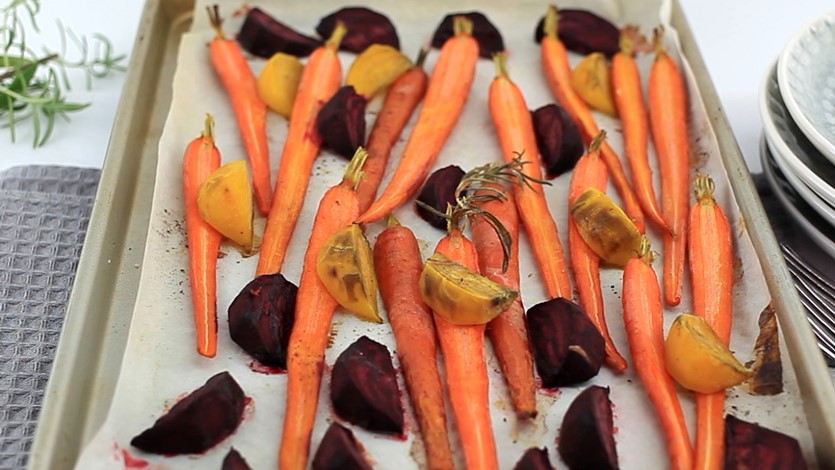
(704, 188)
(215, 20)
(552, 19)
(353, 171)
(337, 35)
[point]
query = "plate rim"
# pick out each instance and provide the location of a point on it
(808, 194)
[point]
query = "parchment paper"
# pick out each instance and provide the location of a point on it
(161, 365)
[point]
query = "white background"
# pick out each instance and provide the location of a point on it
(739, 40)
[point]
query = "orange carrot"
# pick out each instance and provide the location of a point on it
(514, 126)
(398, 263)
(201, 159)
(401, 100)
(710, 247)
(558, 74)
(668, 117)
(448, 90)
(629, 99)
(465, 365)
(320, 81)
(507, 332)
(643, 316)
(314, 310)
(590, 172)
(251, 112)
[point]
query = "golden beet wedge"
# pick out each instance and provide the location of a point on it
(591, 79)
(279, 81)
(346, 267)
(605, 228)
(460, 295)
(375, 69)
(225, 203)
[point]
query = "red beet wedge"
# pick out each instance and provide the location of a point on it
(364, 388)
(485, 33)
(534, 459)
(749, 446)
(365, 27)
(559, 141)
(261, 318)
(339, 450)
(587, 431)
(584, 32)
(438, 192)
(341, 122)
(263, 35)
(234, 461)
(198, 422)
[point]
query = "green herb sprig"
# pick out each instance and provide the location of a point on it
(33, 86)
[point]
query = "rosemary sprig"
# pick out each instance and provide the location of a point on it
(33, 86)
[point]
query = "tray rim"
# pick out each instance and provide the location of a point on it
(53, 443)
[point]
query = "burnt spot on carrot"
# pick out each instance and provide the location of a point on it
(488, 36)
(365, 27)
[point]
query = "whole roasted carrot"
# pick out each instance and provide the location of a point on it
(590, 172)
(250, 111)
(668, 117)
(643, 316)
(200, 160)
(514, 126)
(401, 100)
(629, 99)
(448, 90)
(558, 74)
(398, 263)
(710, 247)
(314, 310)
(465, 365)
(507, 332)
(320, 80)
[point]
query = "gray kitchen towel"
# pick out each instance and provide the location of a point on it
(44, 212)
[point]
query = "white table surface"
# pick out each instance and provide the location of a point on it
(739, 40)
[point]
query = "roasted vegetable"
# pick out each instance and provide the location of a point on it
(591, 79)
(234, 461)
(225, 203)
(279, 81)
(460, 295)
(198, 422)
(559, 141)
(263, 35)
(584, 32)
(605, 227)
(485, 33)
(586, 438)
(261, 318)
(339, 450)
(365, 27)
(346, 268)
(438, 193)
(534, 459)
(375, 69)
(749, 446)
(341, 122)
(767, 365)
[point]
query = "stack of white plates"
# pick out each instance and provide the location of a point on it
(797, 104)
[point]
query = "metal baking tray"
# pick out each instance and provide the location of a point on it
(89, 354)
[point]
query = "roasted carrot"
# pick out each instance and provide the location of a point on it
(465, 365)
(558, 74)
(643, 316)
(401, 100)
(200, 160)
(629, 99)
(507, 332)
(314, 310)
(250, 111)
(320, 81)
(514, 126)
(668, 117)
(448, 90)
(710, 247)
(590, 172)
(398, 263)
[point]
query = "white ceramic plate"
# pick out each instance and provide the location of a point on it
(786, 140)
(807, 83)
(810, 197)
(808, 220)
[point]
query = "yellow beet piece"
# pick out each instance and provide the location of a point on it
(346, 267)
(460, 295)
(591, 79)
(279, 81)
(225, 203)
(605, 228)
(698, 360)
(375, 69)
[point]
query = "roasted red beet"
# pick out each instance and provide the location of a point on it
(364, 388)
(234, 461)
(339, 450)
(559, 140)
(567, 347)
(341, 122)
(261, 318)
(534, 459)
(584, 32)
(365, 27)
(485, 33)
(749, 446)
(586, 438)
(198, 422)
(263, 35)
(437, 193)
